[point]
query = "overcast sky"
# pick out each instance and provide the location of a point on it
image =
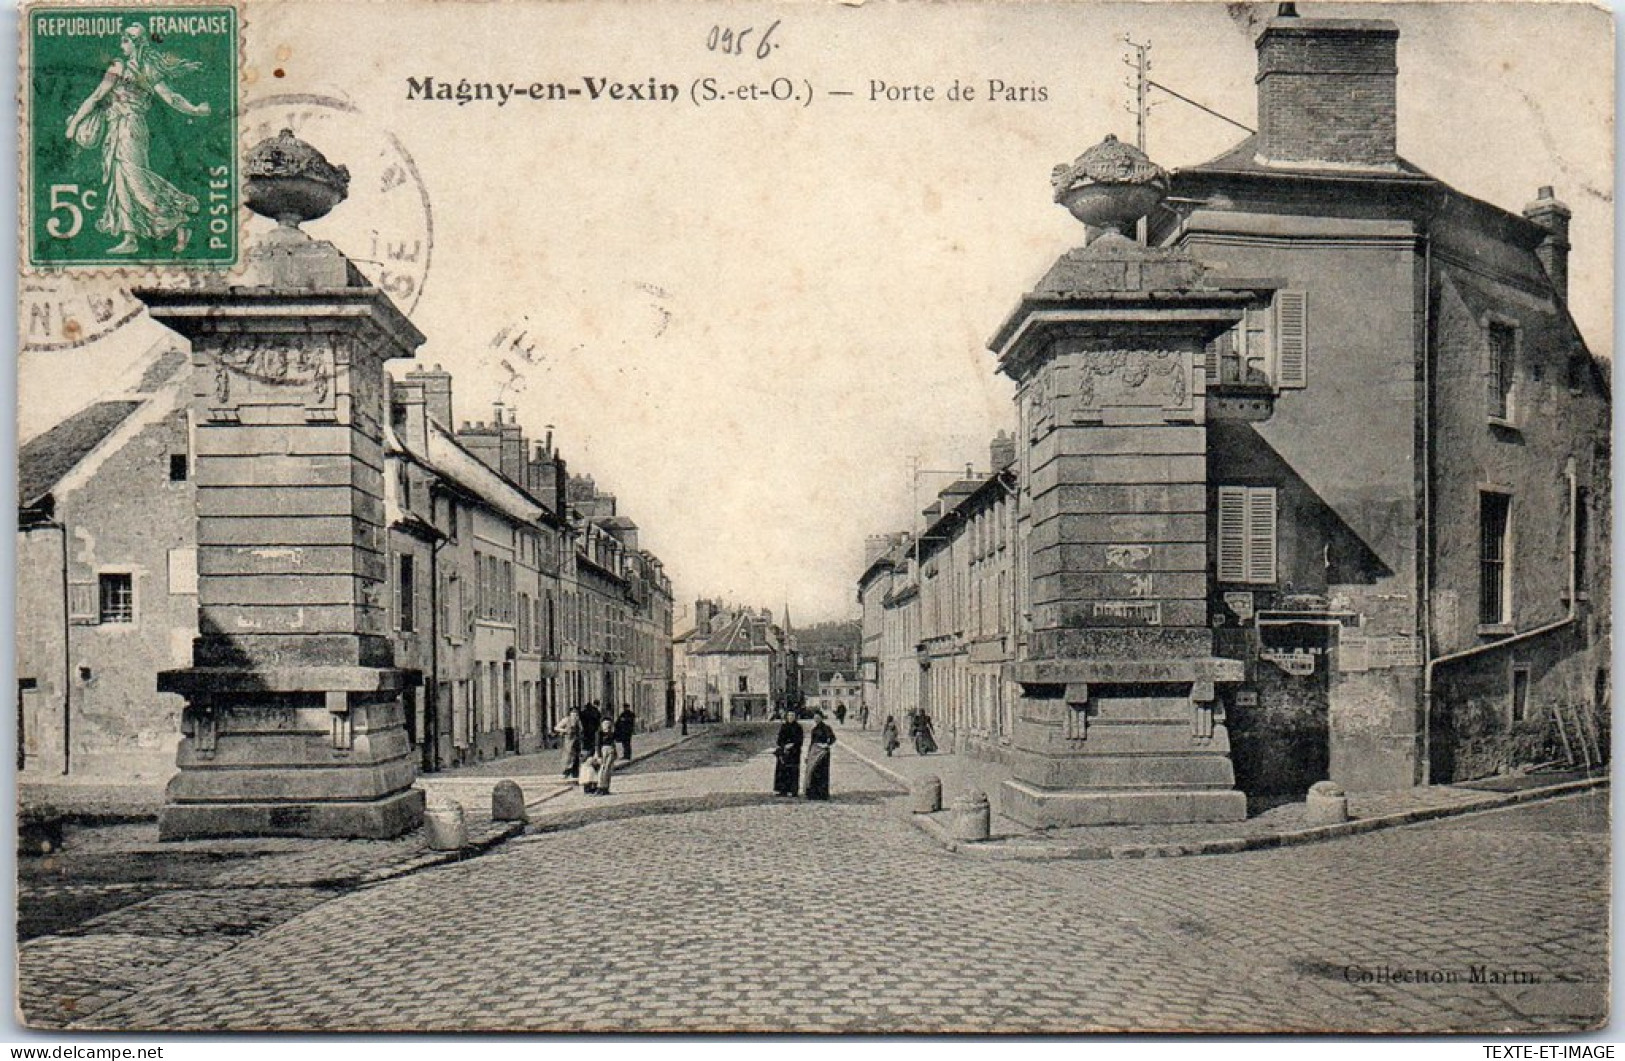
(745, 318)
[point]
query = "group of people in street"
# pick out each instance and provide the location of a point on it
(919, 730)
(587, 741)
(790, 775)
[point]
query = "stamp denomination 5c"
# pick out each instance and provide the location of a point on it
(132, 136)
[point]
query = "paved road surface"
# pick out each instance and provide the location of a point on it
(728, 910)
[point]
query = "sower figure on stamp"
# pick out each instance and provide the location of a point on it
(787, 752)
(136, 202)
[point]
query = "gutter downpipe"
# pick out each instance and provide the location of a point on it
(1571, 615)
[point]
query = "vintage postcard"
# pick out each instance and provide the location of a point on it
(967, 517)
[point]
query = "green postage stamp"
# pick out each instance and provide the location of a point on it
(132, 136)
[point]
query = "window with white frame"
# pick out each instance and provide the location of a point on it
(1247, 530)
(1269, 346)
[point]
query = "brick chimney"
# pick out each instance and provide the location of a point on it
(483, 441)
(1551, 214)
(513, 451)
(436, 384)
(408, 414)
(1326, 91)
(1001, 451)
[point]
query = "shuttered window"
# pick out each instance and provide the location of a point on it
(1291, 339)
(83, 605)
(1247, 533)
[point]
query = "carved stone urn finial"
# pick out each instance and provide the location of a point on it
(292, 182)
(1110, 186)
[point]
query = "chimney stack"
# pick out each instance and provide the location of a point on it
(437, 394)
(1553, 215)
(1001, 451)
(1326, 91)
(511, 459)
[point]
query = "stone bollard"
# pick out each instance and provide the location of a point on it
(1327, 804)
(972, 817)
(448, 829)
(927, 794)
(508, 803)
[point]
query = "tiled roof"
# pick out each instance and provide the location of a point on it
(46, 458)
(742, 633)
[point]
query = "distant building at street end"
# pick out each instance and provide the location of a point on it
(738, 664)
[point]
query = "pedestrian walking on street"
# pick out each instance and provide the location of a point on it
(925, 742)
(606, 756)
(589, 728)
(888, 736)
(863, 716)
(840, 714)
(818, 746)
(569, 731)
(625, 723)
(787, 756)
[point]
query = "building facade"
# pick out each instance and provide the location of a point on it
(739, 665)
(508, 600)
(1402, 456)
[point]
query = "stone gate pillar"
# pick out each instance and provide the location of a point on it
(293, 722)
(1120, 719)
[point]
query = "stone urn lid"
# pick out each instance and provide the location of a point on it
(292, 182)
(1110, 186)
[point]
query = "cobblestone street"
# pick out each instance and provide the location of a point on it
(691, 900)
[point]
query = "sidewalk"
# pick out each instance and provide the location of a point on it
(540, 774)
(1277, 826)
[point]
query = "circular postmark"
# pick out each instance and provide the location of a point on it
(386, 227)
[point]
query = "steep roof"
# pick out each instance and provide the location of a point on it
(46, 458)
(743, 633)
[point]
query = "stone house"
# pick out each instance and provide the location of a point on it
(1401, 490)
(510, 605)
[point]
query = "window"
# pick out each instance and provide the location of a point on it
(1495, 527)
(1269, 346)
(177, 467)
(1247, 534)
(406, 598)
(744, 683)
(1582, 531)
(1503, 344)
(116, 594)
(1520, 693)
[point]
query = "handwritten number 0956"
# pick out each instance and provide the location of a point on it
(77, 203)
(733, 42)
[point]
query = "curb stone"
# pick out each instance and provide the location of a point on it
(994, 850)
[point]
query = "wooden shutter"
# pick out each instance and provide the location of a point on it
(1232, 533)
(1291, 339)
(84, 605)
(1261, 534)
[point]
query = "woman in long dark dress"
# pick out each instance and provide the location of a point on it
(818, 746)
(925, 742)
(787, 752)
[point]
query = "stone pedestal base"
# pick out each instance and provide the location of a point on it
(1122, 742)
(1039, 808)
(378, 819)
(316, 751)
